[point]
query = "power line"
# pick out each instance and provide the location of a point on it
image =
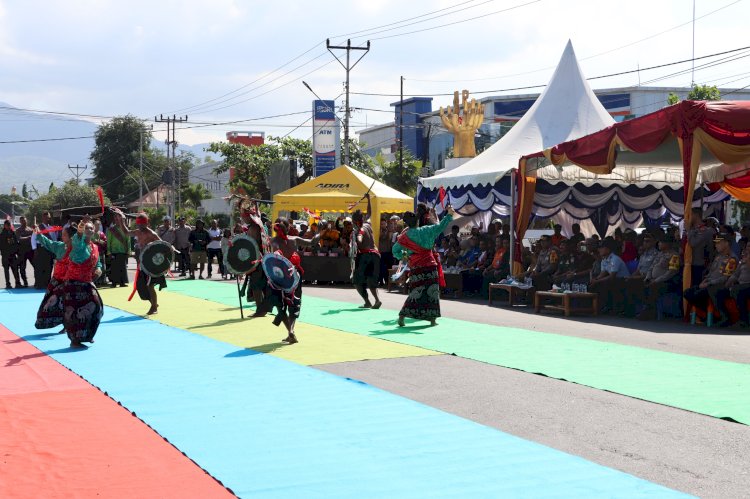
(587, 57)
(323, 53)
(528, 87)
(459, 22)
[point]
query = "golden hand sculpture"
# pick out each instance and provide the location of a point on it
(463, 127)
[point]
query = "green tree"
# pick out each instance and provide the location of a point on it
(297, 150)
(404, 177)
(193, 194)
(117, 147)
(70, 195)
(155, 215)
(6, 206)
(250, 164)
(704, 92)
(361, 161)
(51, 187)
(25, 191)
(698, 92)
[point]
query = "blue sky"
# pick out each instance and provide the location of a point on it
(145, 58)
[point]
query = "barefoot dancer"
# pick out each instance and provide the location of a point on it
(367, 265)
(145, 284)
(288, 304)
(256, 279)
(416, 243)
(51, 310)
(83, 305)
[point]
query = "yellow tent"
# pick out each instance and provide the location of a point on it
(336, 190)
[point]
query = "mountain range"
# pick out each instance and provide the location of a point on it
(40, 163)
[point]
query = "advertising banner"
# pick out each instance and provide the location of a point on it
(325, 137)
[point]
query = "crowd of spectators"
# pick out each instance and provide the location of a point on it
(630, 270)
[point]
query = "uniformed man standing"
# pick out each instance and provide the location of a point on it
(722, 267)
(635, 284)
(699, 237)
(663, 276)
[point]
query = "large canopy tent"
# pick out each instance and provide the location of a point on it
(338, 190)
(566, 110)
(717, 131)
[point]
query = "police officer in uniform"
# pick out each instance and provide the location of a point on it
(663, 276)
(699, 237)
(635, 283)
(546, 265)
(722, 268)
(567, 264)
(738, 287)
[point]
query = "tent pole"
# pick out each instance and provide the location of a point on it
(512, 219)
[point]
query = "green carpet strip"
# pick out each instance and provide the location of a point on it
(713, 387)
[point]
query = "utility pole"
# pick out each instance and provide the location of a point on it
(78, 171)
(347, 67)
(401, 128)
(173, 144)
(140, 179)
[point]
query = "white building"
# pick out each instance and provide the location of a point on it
(217, 185)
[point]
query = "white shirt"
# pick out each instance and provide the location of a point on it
(214, 233)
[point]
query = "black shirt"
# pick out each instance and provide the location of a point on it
(199, 239)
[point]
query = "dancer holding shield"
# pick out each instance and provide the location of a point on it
(416, 243)
(146, 281)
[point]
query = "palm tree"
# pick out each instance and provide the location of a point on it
(193, 194)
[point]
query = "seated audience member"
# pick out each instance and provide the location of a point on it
(609, 282)
(629, 250)
(729, 230)
(557, 237)
(472, 278)
(588, 258)
(451, 254)
(721, 269)
(453, 236)
(312, 231)
(499, 267)
(546, 265)
(346, 234)
(663, 277)
(738, 287)
(468, 258)
(635, 283)
(744, 237)
(567, 264)
(577, 238)
(330, 237)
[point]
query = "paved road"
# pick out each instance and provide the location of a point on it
(690, 452)
(686, 451)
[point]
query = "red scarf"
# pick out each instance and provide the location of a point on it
(421, 256)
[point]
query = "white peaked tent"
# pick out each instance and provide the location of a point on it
(567, 109)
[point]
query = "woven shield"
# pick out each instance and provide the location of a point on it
(280, 272)
(157, 258)
(243, 254)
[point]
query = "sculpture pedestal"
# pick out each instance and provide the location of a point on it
(452, 163)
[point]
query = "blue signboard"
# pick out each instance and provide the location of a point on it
(325, 137)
